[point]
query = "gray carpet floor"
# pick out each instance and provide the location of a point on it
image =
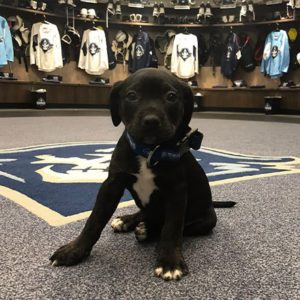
(252, 254)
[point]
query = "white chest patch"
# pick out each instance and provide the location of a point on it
(144, 185)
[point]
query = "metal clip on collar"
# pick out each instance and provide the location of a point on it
(150, 155)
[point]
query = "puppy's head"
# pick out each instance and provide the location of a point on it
(154, 106)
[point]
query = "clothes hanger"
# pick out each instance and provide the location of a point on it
(94, 26)
(45, 20)
(185, 30)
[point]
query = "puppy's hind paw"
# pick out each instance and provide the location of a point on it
(141, 232)
(118, 225)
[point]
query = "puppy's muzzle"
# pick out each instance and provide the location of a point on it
(151, 122)
(151, 126)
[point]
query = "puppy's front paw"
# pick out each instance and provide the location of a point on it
(171, 270)
(69, 254)
(119, 225)
(168, 275)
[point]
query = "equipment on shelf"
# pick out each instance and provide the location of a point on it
(100, 81)
(239, 83)
(7, 76)
(53, 78)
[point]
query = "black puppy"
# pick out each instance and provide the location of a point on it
(152, 160)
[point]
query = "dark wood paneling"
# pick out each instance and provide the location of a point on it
(248, 98)
(15, 92)
(69, 94)
(88, 95)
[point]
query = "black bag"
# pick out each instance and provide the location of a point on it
(247, 59)
(216, 48)
(203, 52)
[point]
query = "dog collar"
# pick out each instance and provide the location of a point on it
(155, 154)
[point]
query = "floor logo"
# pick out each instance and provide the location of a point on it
(59, 183)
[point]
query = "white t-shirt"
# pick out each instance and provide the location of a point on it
(184, 62)
(45, 47)
(93, 53)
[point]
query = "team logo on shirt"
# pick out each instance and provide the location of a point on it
(185, 53)
(94, 49)
(139, 51)
(275, 51)
(59, 183)
(229, 51)
(46, 45)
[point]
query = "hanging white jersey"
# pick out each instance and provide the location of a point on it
(184, 62)
(93, 53)
(45, 47)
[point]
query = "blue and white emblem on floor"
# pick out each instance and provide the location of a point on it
(59, 183)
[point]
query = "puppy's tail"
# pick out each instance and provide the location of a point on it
(223, 204)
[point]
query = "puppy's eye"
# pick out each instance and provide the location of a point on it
(132, 97)
(171, 97)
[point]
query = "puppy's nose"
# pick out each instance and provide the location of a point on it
(151, 121)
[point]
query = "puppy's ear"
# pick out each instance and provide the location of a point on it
(114, 101)
(188, 99)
